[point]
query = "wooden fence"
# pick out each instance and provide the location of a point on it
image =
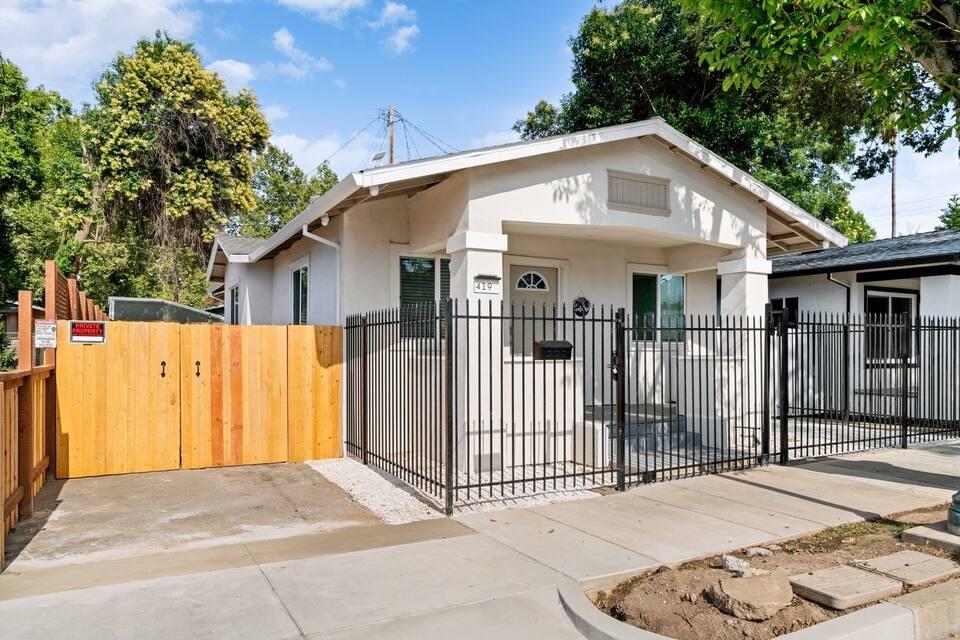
(27, 407)
(157, 396)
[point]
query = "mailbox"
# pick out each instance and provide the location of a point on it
(552, 350)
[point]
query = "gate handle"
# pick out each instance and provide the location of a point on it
(163, 368)
(198, 368)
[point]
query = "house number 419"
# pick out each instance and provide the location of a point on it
(486, 285)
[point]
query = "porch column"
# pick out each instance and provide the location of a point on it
(476, 283)
(743, 286)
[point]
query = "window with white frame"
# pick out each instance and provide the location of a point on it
(423, 282)
(234, 302)
(888, 318)
(300, 288)
(658, 301)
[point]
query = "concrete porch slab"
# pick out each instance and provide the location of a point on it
(568, 550)
(844, 587)
(913, 568)
(368, 587)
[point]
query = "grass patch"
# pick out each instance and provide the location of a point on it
(835, 537)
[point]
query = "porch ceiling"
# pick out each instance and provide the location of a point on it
(633, 237)
(786, 236)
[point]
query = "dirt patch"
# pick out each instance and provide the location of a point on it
(672, 601)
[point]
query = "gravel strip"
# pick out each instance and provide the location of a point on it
(396, 505)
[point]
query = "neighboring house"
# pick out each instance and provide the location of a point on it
(9, 313)
(918, 275)
(636, 215)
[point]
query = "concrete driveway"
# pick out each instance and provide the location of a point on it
(95, 519)
(476, 576)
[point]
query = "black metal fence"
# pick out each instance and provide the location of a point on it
(469, 403)
(844, 383)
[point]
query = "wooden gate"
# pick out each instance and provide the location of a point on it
(119, 402)
(234, 390)
(161, 396)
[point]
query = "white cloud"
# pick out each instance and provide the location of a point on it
(235, 74)
(399, 41)
(493, 138)
(310, 153)
(340, 83)
(923, 187)
(394, 13)
(63, 44)
(299, 64)
(274, 112)
(325, 10)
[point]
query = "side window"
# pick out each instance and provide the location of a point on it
(234, 303)
(299, 289)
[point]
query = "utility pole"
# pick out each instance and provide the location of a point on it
(390, 129)
(893, 187)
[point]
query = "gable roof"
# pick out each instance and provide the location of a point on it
(790, 226)
(227, 248)
(920, 248)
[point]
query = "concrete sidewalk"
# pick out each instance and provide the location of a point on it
(477, 576)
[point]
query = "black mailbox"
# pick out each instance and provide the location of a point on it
(552, 350)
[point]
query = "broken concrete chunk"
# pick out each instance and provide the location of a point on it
(736, 565)
(755, 598)
(758, 551)
(913, 568)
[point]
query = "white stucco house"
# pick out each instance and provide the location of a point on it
(917, 274)
(636, 215)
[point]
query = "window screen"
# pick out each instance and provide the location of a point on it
(300, 289)
(419, 292)
(234, 305)
(886, 315)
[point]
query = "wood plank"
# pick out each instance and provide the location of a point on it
(314, 373)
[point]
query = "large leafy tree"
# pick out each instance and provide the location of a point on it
(172, 151)
(640, 59)
(886, 69)
(282, 190)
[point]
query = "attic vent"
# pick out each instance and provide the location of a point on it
(642, 194)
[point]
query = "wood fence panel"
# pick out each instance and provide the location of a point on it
(314, 370)
(118, 403)
(10, 468)
(235, 411)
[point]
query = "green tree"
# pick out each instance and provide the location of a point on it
(640, 59)
(7, 355)
(172, 152)
(882, 67)
(282, 190)
(950, 215)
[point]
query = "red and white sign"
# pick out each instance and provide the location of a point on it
(88, 332)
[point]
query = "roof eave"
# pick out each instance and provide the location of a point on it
(872, 266)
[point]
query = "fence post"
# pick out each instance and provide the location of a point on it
(619, 372)
(448, 451)
(904, 377)
(25, 358)
(846, 369)
(363, 387)
(768, 336)
(782, 325)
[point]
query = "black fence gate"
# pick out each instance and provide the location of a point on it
(477, 402)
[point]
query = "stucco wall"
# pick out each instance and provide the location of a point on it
(940, 296)
(817, 294)
(322, 278)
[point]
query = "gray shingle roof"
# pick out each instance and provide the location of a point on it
(920, 248)
(239, 245)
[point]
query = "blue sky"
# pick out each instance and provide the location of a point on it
(463, 70)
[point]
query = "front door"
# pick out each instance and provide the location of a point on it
(533, 294)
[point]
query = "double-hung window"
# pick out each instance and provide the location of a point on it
(658, 301)
(299, 289)
(234, 302)
(889, 314)
(423, 282)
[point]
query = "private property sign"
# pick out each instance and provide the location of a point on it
(88, 332)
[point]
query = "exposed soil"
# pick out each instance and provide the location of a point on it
(671, 601)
